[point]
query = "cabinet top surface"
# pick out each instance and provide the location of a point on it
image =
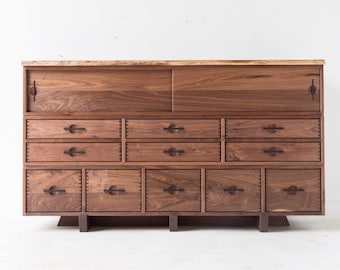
(171, 63)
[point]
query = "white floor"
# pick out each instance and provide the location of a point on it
(311, 242)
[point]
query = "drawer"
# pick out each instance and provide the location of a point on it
(53, 190)
(173, 190)
(78, 129)
(173, 152)
(89, 90)
(273, 128)
(293, 190)
(247, 88)
(113, 190)
(174, 128)
(273, 152)
(233, 190)
(73, 152)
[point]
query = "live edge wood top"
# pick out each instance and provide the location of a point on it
(171, 63)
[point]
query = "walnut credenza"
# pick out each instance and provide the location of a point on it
(174, 139)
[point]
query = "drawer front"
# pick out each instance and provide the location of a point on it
(78, 129)
(273, 151)
(113, 190)
(247, 88)
(173, 152)
(173, 190)
(293, 190)
(53, 191)
(173, 128)
(86, 90)
(233, 190)
(273, 128)
(73, 152)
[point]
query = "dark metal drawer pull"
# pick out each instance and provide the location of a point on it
(73, 128)
(173, 189)
(54, 190)
(173, 152)
(272, 151)
(173, 129)
(312, 90)
(33, 91)
(292, 190)
(112, 190)
(272, 128)
(73, 152)
(232, 190)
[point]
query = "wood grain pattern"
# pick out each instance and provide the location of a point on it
(40, 201)
(159, 200)
(99, 180)
(277, 200)
(217, 199)
(260, 151)
(56, 129)
(173, 128)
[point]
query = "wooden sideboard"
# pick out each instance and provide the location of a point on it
(176, 139)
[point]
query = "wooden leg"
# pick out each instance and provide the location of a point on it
(173, 222)
(263, 222)
(83, 221)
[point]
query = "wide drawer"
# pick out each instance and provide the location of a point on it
(73, 152)
(293, 190)
(89, 90)
(53, 190)
(173, 152)
(173, 128)
(273, 151)
(272, 128)
(78, 129)
(233, 190)
(173, 190)
(113, 190)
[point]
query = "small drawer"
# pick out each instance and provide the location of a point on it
(173, 190)
(272, 128)
(174, 128)
(273, 151)
(293, 190)
(233, 190)
(173, 152)
(73, 152)
(53, 191)
(79, 129)
(113, 190)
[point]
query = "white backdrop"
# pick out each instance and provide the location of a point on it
(168, 29)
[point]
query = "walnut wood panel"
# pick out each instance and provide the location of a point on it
(173, 128)
(173, 190)
(176, 152)
(67, 129)
(68, 198)
(113, 190)
(273, 152)
(104, 90)
(293, 190)
(44, 152)
(233, 190)
(247, 88)
(273, 128)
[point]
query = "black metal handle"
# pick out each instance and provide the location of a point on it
(173, 152)
(73, 128)
(273, 151)
(53, 190)
(73, 152)
(33, 91)
(173, 129)
(173, 189)
(312, 90)
(112, 190)
(232, 190)
(292, 190)
(272, 128)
